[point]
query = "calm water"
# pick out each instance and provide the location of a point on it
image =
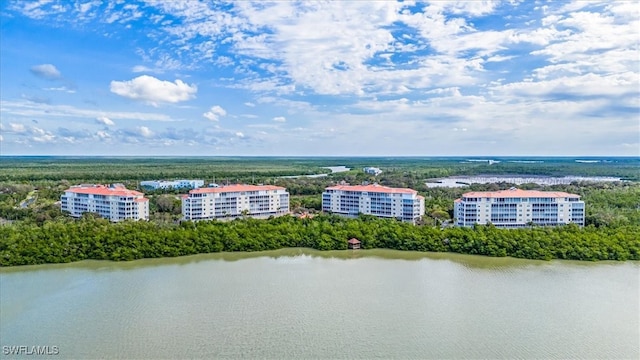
(297, 303)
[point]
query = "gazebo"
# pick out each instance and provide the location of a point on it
(354, 243)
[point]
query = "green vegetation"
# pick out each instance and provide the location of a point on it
(33, 230)
(91, 238)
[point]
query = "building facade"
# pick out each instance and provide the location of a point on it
(516, 208)
(376, 200)
(372, 171)
(233, 201)
(174, 184)
(113, 202)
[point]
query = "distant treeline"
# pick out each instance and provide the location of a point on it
(266, 169)
(61, 241)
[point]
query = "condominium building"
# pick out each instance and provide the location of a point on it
(229, 202)
(377, 200)
(173, 184)
(518, 208)
(113, 202)
(372, 171)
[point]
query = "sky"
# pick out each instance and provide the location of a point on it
(320, 78)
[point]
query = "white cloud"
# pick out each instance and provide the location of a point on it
(103, 135)
(392, 70)
(44, 138)
(215, 113)
(61, 88)
(141, 68)
(145, 131)
(29, 109)
(46, 71)
(17, 128)
(151, 90)
(105, 120)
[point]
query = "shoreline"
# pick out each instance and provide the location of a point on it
(476, 261)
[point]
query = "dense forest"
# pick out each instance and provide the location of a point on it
(91, 238)
(33, 230)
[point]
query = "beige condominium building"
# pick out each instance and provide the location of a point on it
(114, 202)
(515, 208)
(381, 201)
(233, 201)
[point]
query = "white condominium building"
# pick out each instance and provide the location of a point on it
(174, 184)
(372, 171)
(377, 200)
(518, 208)
(113, 202)
(229, 202)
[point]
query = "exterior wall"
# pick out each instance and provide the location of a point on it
(116, 207)
(176, 184)
(254, 201)
(519, 211)
(407, 206)
(372, 171)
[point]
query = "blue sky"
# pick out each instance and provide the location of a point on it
(319, 78)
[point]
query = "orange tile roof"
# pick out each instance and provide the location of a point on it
(103, 190)
(518, 193)
(373, 188)
(235, 188)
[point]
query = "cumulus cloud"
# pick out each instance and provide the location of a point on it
(46, 71)
(103, 135)
(424, 73)
(145, 131)
(105, 121)
(16, 128)
(215, 113)
(44, 138)
(153, 91)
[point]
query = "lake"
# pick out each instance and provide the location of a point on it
(299, 303)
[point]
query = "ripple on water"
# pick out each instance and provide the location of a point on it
(313, 305)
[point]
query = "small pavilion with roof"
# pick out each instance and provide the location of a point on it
(354, 244)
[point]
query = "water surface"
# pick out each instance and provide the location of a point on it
(296, 303)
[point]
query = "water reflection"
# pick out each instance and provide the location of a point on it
(471, 261)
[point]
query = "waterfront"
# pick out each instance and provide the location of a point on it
(296, 303)
(464, 181)
(333, 169)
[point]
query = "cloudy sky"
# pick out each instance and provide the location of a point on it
(163, 77)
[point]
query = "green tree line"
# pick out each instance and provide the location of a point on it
(65, 240)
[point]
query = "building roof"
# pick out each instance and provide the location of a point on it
(116, 190)
(235, 188)
(373, 188)
(518, 193)
(353, 241)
